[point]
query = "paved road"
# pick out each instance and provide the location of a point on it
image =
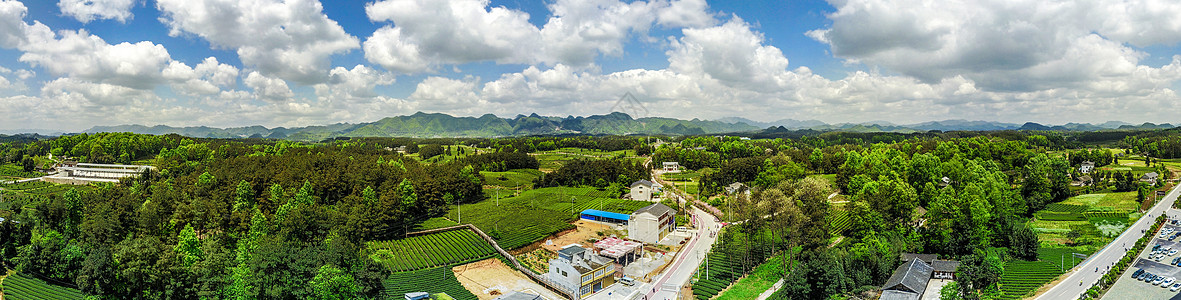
(1085, 276)
(687, 260)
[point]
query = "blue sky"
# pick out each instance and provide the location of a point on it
(72, 64)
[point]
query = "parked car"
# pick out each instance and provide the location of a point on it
(1140, 271)
(1175, 287)
(628, 281)
(1167, 282)
(1158, 280)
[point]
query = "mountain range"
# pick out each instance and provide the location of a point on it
(442, 125)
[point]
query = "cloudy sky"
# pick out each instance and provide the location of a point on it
(72, 64)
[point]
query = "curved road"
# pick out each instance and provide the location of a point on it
(1085, 275)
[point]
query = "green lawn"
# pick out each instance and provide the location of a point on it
(536, 214)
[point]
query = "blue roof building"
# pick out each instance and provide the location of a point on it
(604, 216)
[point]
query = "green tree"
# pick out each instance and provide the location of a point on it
(333, 283)
(243, 196)
(189, 246)
(28, 164)
(1024, 242)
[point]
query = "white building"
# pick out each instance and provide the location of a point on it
(642, 190)
(577, 269)
(1086, 167)
(651, 223)
(672, 167)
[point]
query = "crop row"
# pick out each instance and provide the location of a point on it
(1022, 277)
(432, 250)
(1059, 216)
(433, 281)
(1096, 214)
(1059, 207)
(28, 185)
(724, 265)
(19, 287)
(839, 221)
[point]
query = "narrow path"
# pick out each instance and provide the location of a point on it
(770, 291)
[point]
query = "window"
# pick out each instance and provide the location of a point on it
(564, 274)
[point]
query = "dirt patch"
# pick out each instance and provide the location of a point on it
(490, 278)
(583, 231)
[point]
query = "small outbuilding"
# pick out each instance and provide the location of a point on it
(1150, 177)
(1086, 167)
(624, 252)
(604, 216)
(944, 269)
(416, 296)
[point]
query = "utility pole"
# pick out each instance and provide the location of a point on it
(459, 211)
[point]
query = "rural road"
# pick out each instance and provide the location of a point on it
(1084, 276)
(687, 260)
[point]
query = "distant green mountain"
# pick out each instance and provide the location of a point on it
(443, 125)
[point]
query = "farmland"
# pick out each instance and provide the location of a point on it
(722, 266)
(510, 179)
(43, 188)
(554, 159)
(433, 280)
(21, 287)
(433, 250)
(1023, 277)
(550, 210)
(759, 280)
(11, 171)
(839, 221)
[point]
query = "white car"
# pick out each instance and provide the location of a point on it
(1158, 280)
(1175, 287)
(1167, 282)
(1172, 252)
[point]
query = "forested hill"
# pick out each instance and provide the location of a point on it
(443, 125)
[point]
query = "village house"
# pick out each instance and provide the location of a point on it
(578, 269)
(651, 223)
(672, 167)
(641, 190)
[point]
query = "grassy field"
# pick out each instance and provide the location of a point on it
(1125, 201)
(510, 179)
(455, 154)
(554, 159)
(549, 210)
(21, 287)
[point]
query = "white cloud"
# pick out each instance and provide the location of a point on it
(12, 24)
(464, 31)
(289, 39)
(684, 13)
(89, 10)
(387, 48)
(1001, 45)
(731, 53)
(357, 84)
(454, 32)
(268, 88)
(82, 55)
(439, 93)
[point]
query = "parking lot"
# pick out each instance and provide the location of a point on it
(1156, 262)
